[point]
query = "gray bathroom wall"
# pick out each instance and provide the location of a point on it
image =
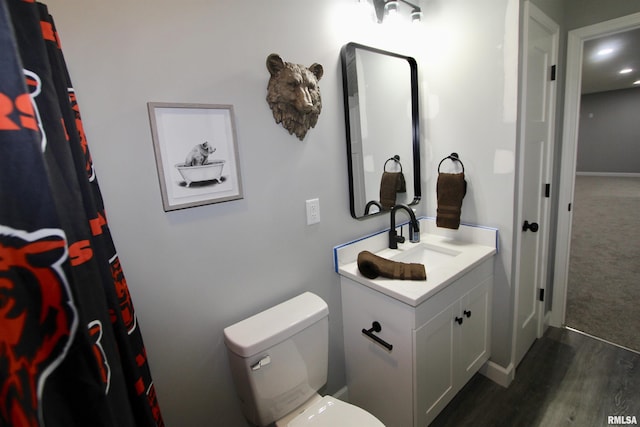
(193, 272)
(608, 136)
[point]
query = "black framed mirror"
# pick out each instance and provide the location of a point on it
(383, 130)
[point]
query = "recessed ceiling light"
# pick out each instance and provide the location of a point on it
(605, 51)
(626, 71)
(637, 82)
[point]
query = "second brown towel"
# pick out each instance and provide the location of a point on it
(451, 189)
(372, 266)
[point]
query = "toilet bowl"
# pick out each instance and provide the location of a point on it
(279, 361)
(329, 412)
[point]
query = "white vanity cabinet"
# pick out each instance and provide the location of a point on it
(437, 346)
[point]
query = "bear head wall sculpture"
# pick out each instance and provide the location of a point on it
(294, 95)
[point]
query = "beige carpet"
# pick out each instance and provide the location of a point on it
(603, 297)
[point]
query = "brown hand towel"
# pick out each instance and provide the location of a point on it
(402, 184)
(372, 266)
(450, 190)
(389, 185)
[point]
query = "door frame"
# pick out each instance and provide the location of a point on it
(573, 83)
(531, 11)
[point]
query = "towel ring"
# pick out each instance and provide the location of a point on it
(453, 157)
(396, 159)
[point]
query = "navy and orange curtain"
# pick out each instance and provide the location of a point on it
(71, 350)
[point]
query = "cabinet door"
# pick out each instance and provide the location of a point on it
(475, 332)
(379, 380)
(434, 364)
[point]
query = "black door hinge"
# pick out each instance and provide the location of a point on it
(547, 190)
(541, 295)
(553, 73)
(569, 208)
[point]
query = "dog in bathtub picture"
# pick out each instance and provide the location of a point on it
(198, 169)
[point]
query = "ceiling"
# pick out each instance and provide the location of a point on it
(601, 72)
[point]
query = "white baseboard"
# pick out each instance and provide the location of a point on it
(498, 374)
(611, 174)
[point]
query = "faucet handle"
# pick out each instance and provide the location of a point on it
(394, 239)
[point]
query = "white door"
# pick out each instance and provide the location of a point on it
(536, 149)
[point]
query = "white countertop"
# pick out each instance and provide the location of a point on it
(473, 245)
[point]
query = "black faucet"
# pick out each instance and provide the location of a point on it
(414, 227)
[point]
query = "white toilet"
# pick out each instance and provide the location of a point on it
(278, 361)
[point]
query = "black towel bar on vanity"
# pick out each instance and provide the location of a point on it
(376, 327)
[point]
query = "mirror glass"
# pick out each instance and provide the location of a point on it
(381, 114)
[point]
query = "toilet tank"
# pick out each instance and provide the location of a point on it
(279, 357)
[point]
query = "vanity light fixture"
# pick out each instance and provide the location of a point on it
(386, 8)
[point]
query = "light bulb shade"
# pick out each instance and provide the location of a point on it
(391, 7)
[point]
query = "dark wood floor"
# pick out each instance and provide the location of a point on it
(566, 379)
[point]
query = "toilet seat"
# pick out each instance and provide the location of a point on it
(331, 412)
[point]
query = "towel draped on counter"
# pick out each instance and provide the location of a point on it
(372, 266)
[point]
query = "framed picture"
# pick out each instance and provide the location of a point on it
(196, 154)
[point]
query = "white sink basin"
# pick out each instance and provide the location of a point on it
(446, 255)
(431, 256)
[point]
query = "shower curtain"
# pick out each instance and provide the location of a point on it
(71, 350)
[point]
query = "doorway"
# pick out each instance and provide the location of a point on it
(567, 191)
(602, 289)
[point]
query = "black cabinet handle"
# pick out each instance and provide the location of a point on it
(467, 313)
(459, 320)
(376, 327)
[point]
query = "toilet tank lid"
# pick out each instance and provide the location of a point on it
(272, 326)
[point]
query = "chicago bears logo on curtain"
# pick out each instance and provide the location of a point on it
(38, 316)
